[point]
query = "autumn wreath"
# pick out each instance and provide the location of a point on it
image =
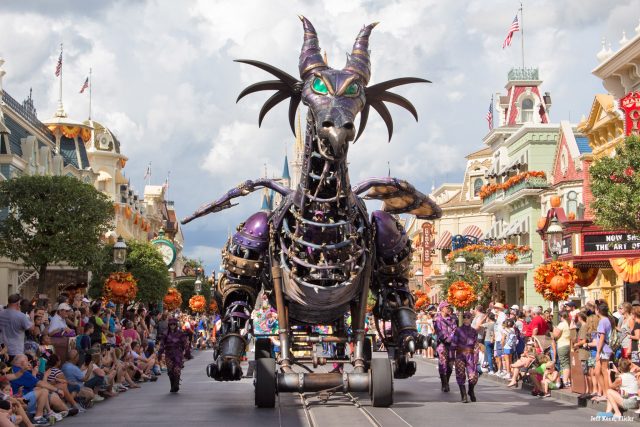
(511, 258)
(555, 281)
(120, 288)
(197, 303)
(173, 299)
(461, 295)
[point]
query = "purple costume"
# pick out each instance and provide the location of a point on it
(463, 343)
(175, 346)
(445, 329)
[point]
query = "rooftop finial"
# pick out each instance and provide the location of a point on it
(2, 73)
(603, 54)
(624, 40)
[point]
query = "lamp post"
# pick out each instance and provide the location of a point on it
(460, 265)
(419, 275)
(119, 252)
(554, 236)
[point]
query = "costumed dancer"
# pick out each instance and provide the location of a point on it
(466, 360)
(445, 325)
(175, 346)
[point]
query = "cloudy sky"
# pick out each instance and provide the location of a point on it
(165, 83)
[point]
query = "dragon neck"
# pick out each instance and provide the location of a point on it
(324, 184)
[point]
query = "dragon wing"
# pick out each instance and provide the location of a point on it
(241, 190)
(399, 197)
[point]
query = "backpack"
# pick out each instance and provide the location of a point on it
(615, 338)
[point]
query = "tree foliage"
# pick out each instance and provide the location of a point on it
(144, 262)
(186, 287)
(473, 275)
(615, 184)
(52, 219)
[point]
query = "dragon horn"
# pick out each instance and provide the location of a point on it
(359, 62)
(310, 56)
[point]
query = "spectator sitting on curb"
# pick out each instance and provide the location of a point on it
(625, 398)
(550, 380)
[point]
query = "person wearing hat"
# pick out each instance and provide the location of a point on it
(175, 347)
(445, 325)
(58, 325)
(466, 360)
(14, 324)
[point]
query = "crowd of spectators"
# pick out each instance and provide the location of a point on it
(526, 345)
(58, 359)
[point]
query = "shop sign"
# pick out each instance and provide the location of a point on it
(630, 105)
(427, 243)
(611, 242)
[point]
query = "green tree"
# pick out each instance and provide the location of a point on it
(186, 287)
(144, 262)
(615, 184)
(52, 219)
(473, 275)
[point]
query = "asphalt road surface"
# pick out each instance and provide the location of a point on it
(418, 402)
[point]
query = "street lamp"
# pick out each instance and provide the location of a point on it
(554, 244)
(554, 238)
(119, 252)
(419, 275)
(460, 265)
(198, 283)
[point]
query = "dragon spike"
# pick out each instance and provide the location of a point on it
(359, 61)
(310, 55)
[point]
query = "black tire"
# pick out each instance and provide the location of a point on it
(265, 392)
(381, 383)
(263, 348)
(367, 352)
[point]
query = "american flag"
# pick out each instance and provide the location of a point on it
(147, 173)
(514, 27)
(85, 85)
(59, 65)
(490, 115)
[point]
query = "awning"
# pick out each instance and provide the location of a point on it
(627, 269)
(517, 227)
(494, 232)
(473, 231)
(519, 161)
(444, 241)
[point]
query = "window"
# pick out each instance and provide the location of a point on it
(572, 202)
(477, 185)
(526, 111)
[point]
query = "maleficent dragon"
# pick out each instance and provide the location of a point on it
(318, 254)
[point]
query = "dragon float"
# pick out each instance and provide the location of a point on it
(318, 255)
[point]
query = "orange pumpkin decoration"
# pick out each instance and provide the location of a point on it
(556, 201)
(120, 288)
(461, 295)
(541, 222)
(197, 303)
(213, 306)
(558, 284)
(571, 216)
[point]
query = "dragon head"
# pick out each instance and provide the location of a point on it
(334, 97)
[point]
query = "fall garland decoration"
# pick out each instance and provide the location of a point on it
(422, 300)
(489, 189)
(555, 281)
(120, 287)
(461, 295)
(173, 299)
(492, 249)
(197, 303)
(511, 258)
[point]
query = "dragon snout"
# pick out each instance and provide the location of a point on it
(334, 140)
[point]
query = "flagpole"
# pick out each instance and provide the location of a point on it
(60, 112)
(90, 88)
(522, 33)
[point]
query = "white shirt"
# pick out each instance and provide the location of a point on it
(500, 318)
(57, 322)
(629, 383)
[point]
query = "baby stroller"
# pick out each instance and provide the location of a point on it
(542, 349)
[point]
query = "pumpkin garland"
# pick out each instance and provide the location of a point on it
(555, 281)
(173, 299)
(197, 303)
(488, 189)
(492, 249)
(461, 295)
(120, 287)
(422, 300)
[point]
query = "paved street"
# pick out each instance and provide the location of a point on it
(419, 402)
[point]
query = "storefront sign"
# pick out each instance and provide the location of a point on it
(427, 243)
(611, 242)
(630, 104)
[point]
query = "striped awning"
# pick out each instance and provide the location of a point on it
(517, 227)
(494, 232)
(444, 241)
(473, 231)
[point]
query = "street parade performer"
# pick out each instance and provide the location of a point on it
(175, 346)
(464, 345)
(445, 325)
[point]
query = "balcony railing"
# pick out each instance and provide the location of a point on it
(498, 259)
(520, 74)
(527, 183)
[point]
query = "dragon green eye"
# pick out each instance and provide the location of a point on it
(352, 89)
(319, 86)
